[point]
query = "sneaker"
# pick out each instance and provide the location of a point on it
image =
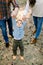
(14, 57)
(21, 57)
(7, 45)
(33, 41)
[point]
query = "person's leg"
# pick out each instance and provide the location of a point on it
(21, 49)
(9, 21)
(15, 45)
(35, 21)
(4, 32)
(39, 26)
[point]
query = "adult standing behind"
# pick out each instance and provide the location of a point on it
(36, 8)
(5, 16)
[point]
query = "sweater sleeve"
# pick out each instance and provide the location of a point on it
(26, 8)
(16, 4)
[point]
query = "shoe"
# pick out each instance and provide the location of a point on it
(7, 45)
(21, 57)
(33, 41)
(14, 57)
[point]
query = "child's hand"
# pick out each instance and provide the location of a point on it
(13, 15)
(28, 15)
(24, 18)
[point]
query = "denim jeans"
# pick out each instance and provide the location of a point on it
(38, 25)
(4, 29)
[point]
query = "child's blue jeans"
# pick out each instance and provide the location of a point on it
(38, 25)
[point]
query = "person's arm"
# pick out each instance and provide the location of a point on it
(15, 11)
(29, 14)
(24, 23)
(27, 11)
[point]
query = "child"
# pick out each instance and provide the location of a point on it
(18, 32)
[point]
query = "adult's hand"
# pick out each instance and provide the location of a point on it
(14, 12)
(24, 18)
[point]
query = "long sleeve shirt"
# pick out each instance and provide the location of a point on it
(18, 32)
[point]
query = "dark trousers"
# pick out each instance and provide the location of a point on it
(9, 21)
(18, 43)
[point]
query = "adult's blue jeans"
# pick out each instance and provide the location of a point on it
(38, 25)
(4, 30)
